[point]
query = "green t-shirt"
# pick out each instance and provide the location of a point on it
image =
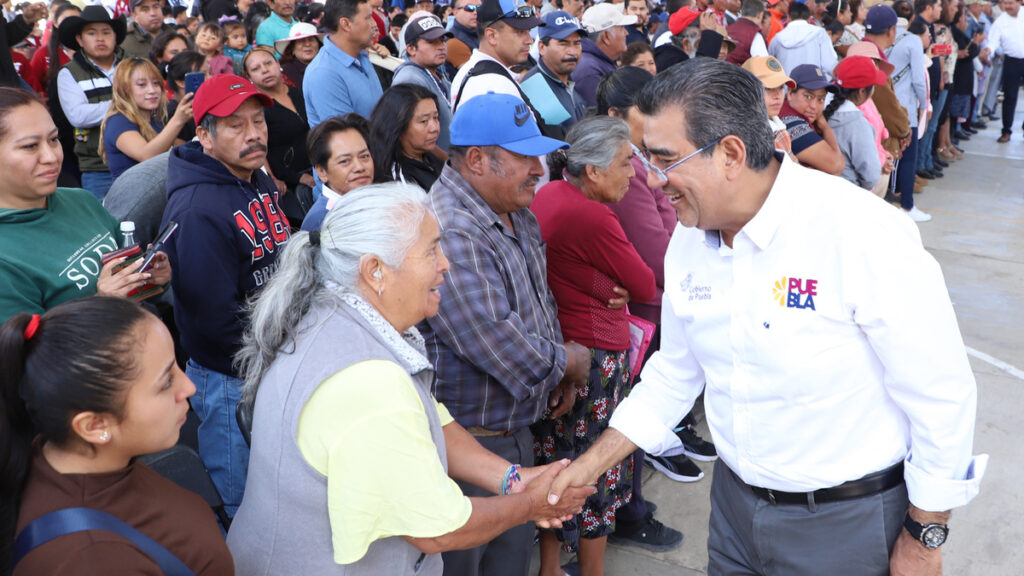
(52, 255)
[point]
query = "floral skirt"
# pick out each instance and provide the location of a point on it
(572, 434)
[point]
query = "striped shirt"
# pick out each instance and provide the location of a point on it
(495, 343)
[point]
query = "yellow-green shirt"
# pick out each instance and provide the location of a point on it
(366, 430)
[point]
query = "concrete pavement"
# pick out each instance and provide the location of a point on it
(977, 236)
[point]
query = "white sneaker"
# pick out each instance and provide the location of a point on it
(917, 215)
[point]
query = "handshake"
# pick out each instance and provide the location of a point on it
(556, 491)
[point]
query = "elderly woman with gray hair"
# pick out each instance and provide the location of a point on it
(353, 461)
(589, 255)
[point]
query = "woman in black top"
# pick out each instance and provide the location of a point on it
(404, 128)
(286, 120)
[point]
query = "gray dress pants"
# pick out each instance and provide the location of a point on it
(750, 536)
(509, 553)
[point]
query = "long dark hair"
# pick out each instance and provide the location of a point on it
(54, 46)
(389, 121)
(79, 359)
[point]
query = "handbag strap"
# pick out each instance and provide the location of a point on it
(71, 520)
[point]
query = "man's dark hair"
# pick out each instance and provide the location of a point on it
(922, 5)
(799, 11)
(671, 6)
(399, 20)
(335, 10)
(752, 8)
(318, 143)
(717, 99)
(917, 27)
(904, 9)
(481, 26)
(625, 4)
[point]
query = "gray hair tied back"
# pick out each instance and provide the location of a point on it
(381, 220)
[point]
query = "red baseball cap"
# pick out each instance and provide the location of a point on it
(682, 18)
(858, 72)
(222, 94)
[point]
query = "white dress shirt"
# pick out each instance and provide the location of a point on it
(1007, 36)
(825, 342)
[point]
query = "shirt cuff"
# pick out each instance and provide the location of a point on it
(934, 494)
(644, 428)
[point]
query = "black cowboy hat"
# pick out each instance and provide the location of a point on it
(93, 14)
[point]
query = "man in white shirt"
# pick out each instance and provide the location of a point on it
(1007, 38)
(836, 383)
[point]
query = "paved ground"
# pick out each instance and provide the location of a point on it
(977, 235)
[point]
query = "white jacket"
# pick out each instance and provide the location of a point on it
(804, 43)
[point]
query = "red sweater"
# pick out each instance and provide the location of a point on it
(588, 254)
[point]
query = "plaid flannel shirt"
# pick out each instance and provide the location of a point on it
(495, 343)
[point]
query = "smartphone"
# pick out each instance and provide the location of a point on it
(942, 49)
(147, 258)
(193, 80)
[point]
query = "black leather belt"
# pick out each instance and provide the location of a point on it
(866, 486)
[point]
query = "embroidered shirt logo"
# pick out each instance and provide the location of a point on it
(795, 292)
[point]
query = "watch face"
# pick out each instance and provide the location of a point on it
(933, 536)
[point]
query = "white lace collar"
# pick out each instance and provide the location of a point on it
(409, 347)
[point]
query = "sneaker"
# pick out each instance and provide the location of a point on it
(652, 535)
(917, 215)
(679, 468)
(696, 447)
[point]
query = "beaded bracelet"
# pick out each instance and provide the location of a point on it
(511, 477)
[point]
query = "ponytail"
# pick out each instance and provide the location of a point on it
(78, 358)
(838, 99)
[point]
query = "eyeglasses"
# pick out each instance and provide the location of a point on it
(661, 173)
(470, 7)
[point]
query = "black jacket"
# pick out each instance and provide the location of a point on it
(13, 32)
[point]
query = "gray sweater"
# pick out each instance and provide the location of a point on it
(856, 139)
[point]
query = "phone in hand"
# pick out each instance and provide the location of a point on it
(193, 80)
(942, 49)
(158, 245)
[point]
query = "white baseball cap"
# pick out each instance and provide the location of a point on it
(601, 17)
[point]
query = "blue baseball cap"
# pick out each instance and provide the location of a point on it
(810, 77)
(500, 120)
(880, 18)
(560, 25)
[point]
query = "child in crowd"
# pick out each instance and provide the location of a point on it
(855, 80)
(210, 43)
(134, 129)
(237, 44)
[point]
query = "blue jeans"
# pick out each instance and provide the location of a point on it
(925, 156)
(97, 182)
(221, 445)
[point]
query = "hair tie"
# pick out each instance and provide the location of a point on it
(314, 237)
(33, 325)
(224, 19)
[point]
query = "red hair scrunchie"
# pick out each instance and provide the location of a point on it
(33, 325)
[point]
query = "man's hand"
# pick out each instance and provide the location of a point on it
(578, 367)
(543, 511)
(621, 300)
(707, 21)
(33, 12)
(911, 558)
(307, 179)
(381, 50)
(562, 398)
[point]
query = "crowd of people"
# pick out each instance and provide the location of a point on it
(441, 276)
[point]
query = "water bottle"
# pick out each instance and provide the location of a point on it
(128, 234)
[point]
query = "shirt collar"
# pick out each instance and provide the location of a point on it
(551, 75)
(346, 60)
(468, 197)
(762, 227)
